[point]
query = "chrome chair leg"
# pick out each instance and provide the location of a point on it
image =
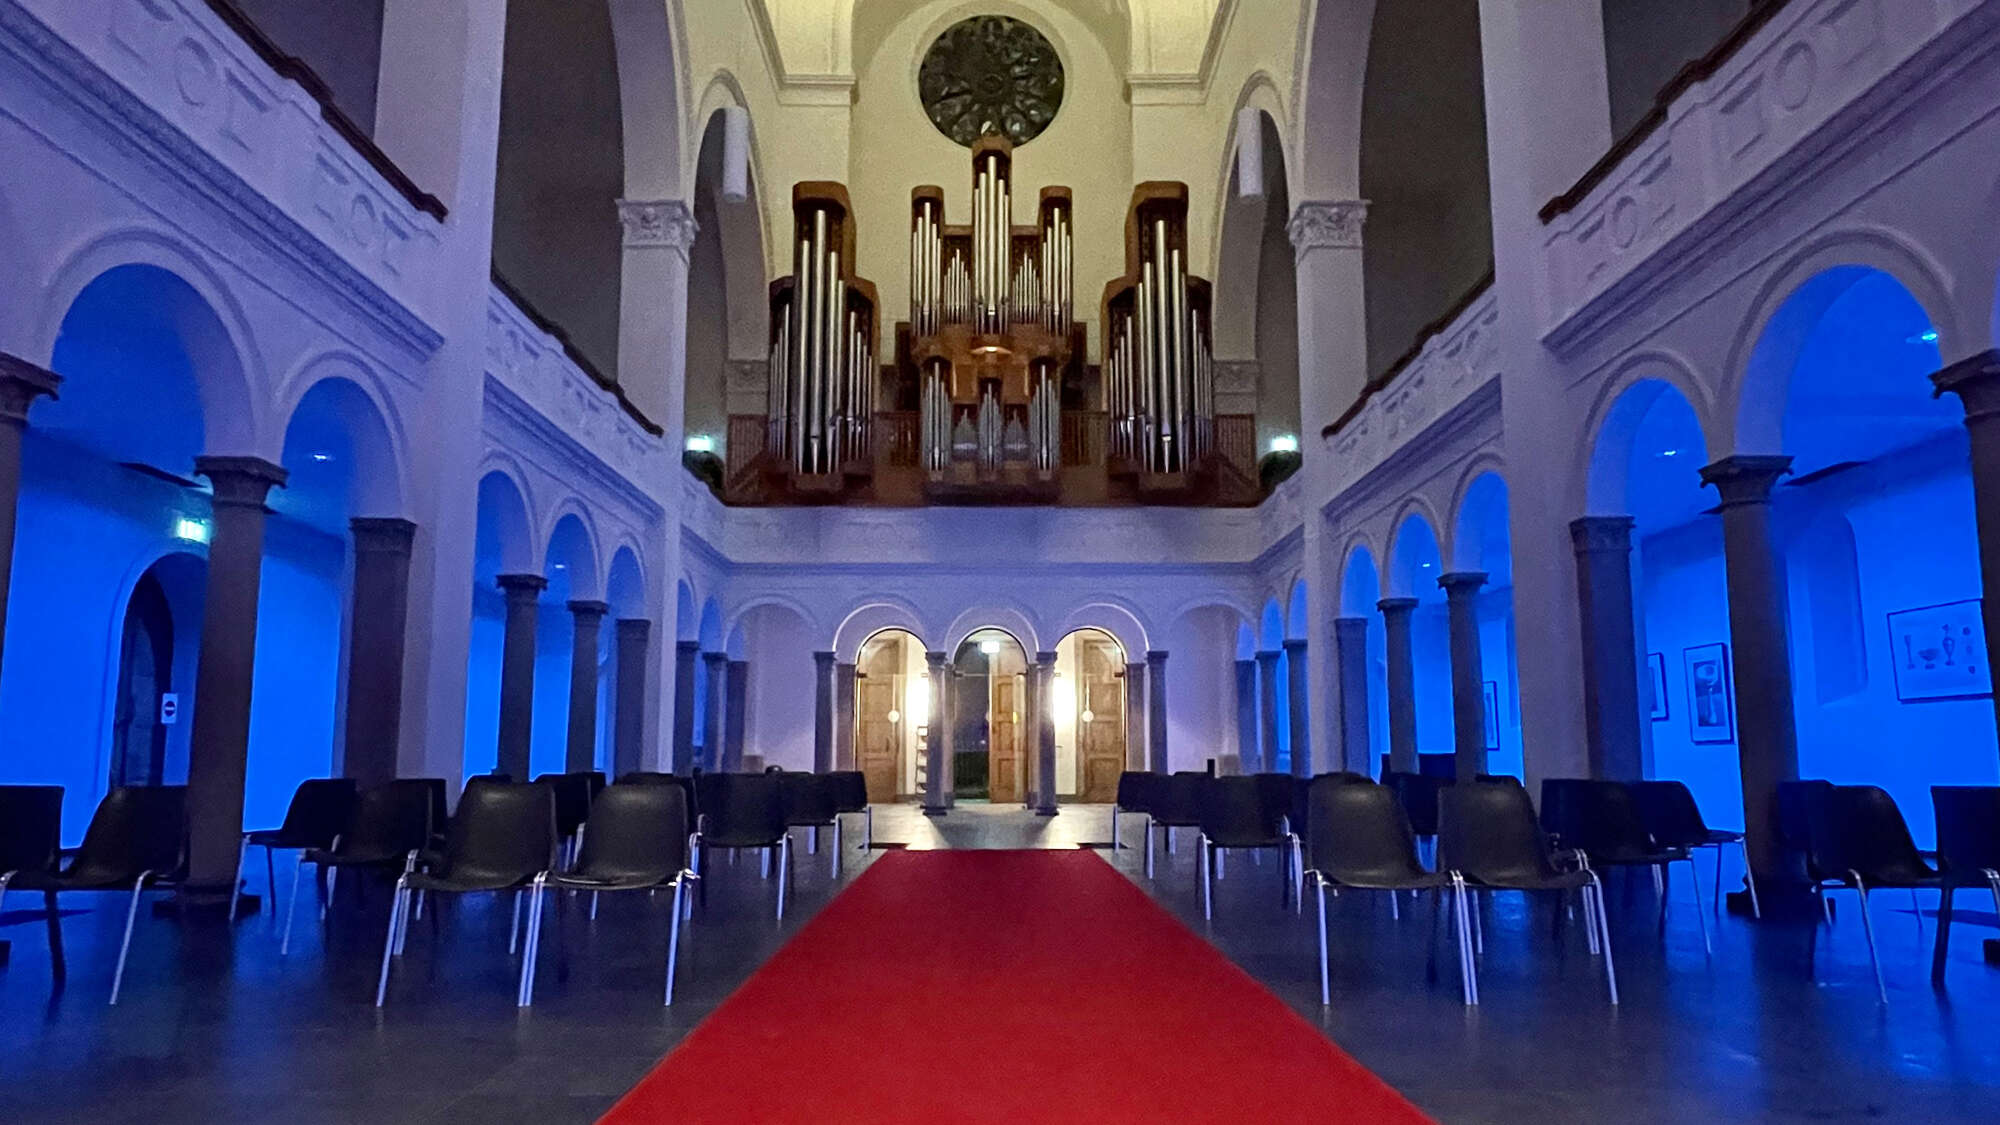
(1149, 847)
(125, 947)
(784, 870)
(1604, 938)
(1993, 884)
(593, 906)
(292, 906)
(833, 853)
(1468, 965)
(1114, 826)
(1325, 993)
(1868, 928)
(270, 882)
(1917, 908)
(1589, 921)
(514, 927)
(1395, 911)
(1478, 926)
(396, 901)
(1694, 874)
(236, 882)
(1207, 896)
(812, 841)
(674, 936)
(526, 994)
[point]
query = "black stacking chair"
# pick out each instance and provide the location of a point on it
(1300, 821)
(1358, 836)
(1488, 839)
(1176, 803)
(319, 810)
(1968, 838)
(1860, 842)
(1795, 800)
(850, 795)
(1239, 812)
(1419, 796)
(503, 838)
(1675, 821)
(30, 830)
(390, 823)
(637, 839)
(572, 793)
(1135, 795)
(1601, 819)
(812, 802)
(742, 811)
(137, 837)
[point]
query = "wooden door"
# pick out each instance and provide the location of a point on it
(878, 742)
(1100, 742)
(145, 673)
(1003, 748)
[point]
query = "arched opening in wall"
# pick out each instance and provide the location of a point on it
(625, 595)
(708, 681)
(779, 694)
(1646, 465)
(1428, 242)
(501, 546)
(1415, 565)
(1274, 704)
(1879, 541)
(1646, 43)
(1087, 702)
(105, 495)
(727, 365)
(571, 567)
(1257, 319)
(1209, 714)
(892, 705)
(557, 241)
(1480, 545)
(987, 707)
(156, 661)
(1364, 674)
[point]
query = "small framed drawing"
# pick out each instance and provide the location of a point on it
(1490, 695)
(1939, 652)
(1656, 677)
(1711, 706)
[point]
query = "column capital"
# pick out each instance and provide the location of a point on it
(1156, 657)
(824, 659)
(1294, 645)
(667, 223)
(522, 588)
(384, 536)
(635, 628)
(1591, 535)
(1975, 380)
(240, 482)
(936, 659)
(1268, 655)
(1462, 583)
(21, 383)
(1746, 478)
(716, 657)
(1327, 224)
(1350, 625)
(1046, 658)
(686, 648)
(584, 607)
(1395, 607)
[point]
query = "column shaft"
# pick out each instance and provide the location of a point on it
(1135, 717)
(937, 742)
(735, 729)
(1605, 607)
(586, 637)
(822, 712)
(686, 654)
(517, 674)
(1156, 709)
(378, 620)
(1268, 688)
(21, 383)
(1298, 698)
(843, 717)
(1396, 614)
(1044, 740)
(1248, 726)
(1468, 676)
(1976, 382)
(628, 724)
(1351, 636)
(715, 725)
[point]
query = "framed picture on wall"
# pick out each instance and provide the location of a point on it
(1656, 679)
(1939, 652)
(1490, 696)
(1711, 706)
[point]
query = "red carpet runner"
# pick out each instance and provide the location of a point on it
(976, 986)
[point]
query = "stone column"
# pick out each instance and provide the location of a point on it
(1299, 698)
(517, 674)
(1135, 717)
(1351, 635)
(378, 618)
(633, 637)
(1396, 613)
(686, 653)
(21, 383)
(822, 712)
(1976, 382)
(843, 717)
(1247, 713)
(735, 694)
(1156, 710)
(1267, 715)
(220, 741)
(1044, 740)
(937, 744)
(1766, 735)
(715, 727)
(587, 620)
(1033, 692)
(1468, 677)
(1611, 710)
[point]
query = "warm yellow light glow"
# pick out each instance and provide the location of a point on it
(917, 700)
(1065, 696)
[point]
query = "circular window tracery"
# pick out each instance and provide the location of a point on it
(991, 74)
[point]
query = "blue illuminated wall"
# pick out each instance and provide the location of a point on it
(482, 679)
(297, 678)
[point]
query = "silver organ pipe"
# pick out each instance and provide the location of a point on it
(935, 416)
(819, 397)
(1045, 416)
(1158, 372)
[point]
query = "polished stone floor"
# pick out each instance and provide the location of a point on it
(212, 1030)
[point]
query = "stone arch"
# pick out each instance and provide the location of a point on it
(1332, 60)
(1112, 617)
(1415, 545)
(733, 619)
(340, 404)
(1617, 411)
(651, 77)
(625, 582)
(1009, 619)
(572, 545)
(872, 617)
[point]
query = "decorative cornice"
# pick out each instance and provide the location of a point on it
(1327, 224)
(657, 222)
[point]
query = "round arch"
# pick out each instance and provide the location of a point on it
(870, 618)
(1008, 619)
(1115, 618)
(1622, 403)
(734, 618)
(1360, 581)
(1479, 532)
(571, 553)
(343, 453)
(651, 66)
(1332, 61)
(504, 539)
(687, 623)
(625, 583)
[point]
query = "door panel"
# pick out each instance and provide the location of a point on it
(878, 742)
(1003, 761)
(1102, 740)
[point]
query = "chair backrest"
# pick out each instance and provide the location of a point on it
(1360, 833)
(1237, 812)
(319, 811)
(1302, 797)
(1276, 790)
(741, 809)
(1859, 828)
(1968, 827)
(1135, 790)
(572, 794)
(392, 819)
(1177, 799)
(809, 797)
(1419, 795)
(850, 790)
(1670, 813)
(1795, 801)
(30, 827)
(1605, 822)
(502, 834)
(135, 828)
(1488, 831)
(637, 834)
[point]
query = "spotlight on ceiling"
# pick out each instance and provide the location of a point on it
(322, 458)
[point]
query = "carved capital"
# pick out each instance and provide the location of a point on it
(1462, 583)
(637, 629)
(21, 383)
(584, 609)
(1976, 382)
(1395, 609)
(522, 589)
(1746, 478)
(240, 482)
(1327, 224)
(1601, 534)
(373, 535)
(1295, 647)
(657, 222)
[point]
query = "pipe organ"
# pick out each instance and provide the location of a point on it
(986, 396)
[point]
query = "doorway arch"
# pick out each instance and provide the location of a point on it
(987, 704)
(892, 698)
(1087, 702)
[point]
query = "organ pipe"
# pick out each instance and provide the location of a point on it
(823, 341)
(1158, 370)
